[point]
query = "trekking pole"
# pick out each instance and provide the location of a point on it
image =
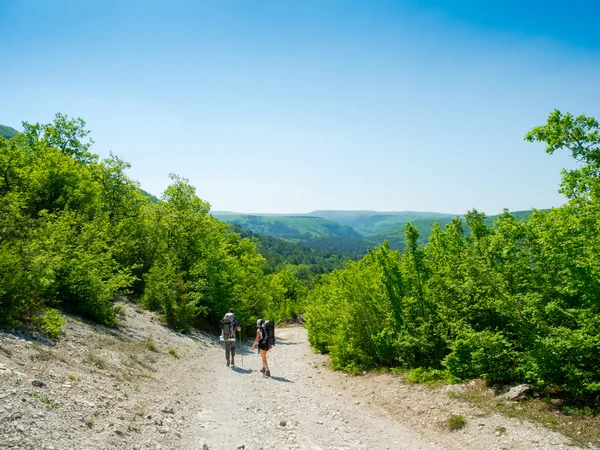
(241, 349)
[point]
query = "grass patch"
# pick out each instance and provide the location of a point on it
(72, 376)
(151, 345)
(173, 352)
(43, 399)
(456, 422)
(119, 313)
(150, 358)
(43, 354)
(428, 376)
(6, 351)
(95, 360)
(133, 361)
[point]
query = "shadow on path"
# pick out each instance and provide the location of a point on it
(242, 370)
(284, 380)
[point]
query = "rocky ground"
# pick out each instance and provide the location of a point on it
(145, 387)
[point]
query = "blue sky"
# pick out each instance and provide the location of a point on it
(288, 107)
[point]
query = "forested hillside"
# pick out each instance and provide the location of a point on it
(7, 132)
(306, 262)
(516, 301)
(76, 233)
(290, 227)
(333, 230)
(372, 223)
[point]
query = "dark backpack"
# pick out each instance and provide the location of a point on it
(228, 327)
(269, 332)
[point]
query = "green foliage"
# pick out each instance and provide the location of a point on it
(581, 137)
(428, 376)
(52, 322)
(484, 354)
(77, 233)
(506, 300)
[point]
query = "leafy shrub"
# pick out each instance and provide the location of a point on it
(484, 354)
(22, 286)
(52, 322)
(169, 294)
(384, 342)
(568, 359)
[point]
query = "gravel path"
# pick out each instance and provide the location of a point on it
(304, 405)
(145, 387)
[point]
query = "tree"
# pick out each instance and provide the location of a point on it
(65, 134)
(581, 136)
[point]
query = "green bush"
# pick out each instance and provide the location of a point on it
(568, 359)
(485, 354)
(168, 293)
(52, 322)
(18, 298)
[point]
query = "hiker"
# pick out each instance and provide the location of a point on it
(229, 324)
(263, 346)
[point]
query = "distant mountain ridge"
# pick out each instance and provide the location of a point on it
(346, 232)
(7, 132)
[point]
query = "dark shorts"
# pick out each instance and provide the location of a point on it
(264, 347)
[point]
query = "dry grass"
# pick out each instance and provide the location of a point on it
(151, 345)
(6, 351)
(96, 360)
(456, 422)
(42, 353)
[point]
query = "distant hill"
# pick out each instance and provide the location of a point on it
(292, 228)
(279, 252)
(346, 232)
(370, 223)
(7, 132)
(153, 198)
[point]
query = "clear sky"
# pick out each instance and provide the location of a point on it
(291, 106)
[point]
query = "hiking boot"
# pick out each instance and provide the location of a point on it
(232, 362)
(227, 363)
(268, 373)
(262, 370)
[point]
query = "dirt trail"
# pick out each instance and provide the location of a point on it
(146, 387)
(306, 406)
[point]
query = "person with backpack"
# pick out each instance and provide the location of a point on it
(229, 325)
(265, 339)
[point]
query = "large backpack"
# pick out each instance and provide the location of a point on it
(269, 327)
(228, 327)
